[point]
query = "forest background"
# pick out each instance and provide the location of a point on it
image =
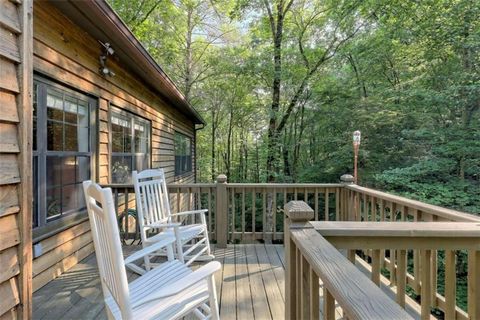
(282, 85)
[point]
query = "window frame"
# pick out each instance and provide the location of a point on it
(45, 224)
(189, 171)
(132, 117)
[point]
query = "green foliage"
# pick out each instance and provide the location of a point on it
(409, 79)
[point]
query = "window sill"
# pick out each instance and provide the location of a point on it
(57, 226)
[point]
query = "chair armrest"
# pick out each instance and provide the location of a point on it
(150, 249)
(184, 213)
(183, 284)
(164, 225)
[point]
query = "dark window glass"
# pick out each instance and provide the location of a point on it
(35, 191)
(34, 117)
(183, 154)
(54, 136)
(130, 145)
(63, 156)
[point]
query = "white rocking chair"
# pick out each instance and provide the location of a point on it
(170, 291)
(154, 213)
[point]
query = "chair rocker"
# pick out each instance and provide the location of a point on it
(170, 291)
(154, 214)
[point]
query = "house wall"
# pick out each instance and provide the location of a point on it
(15, 159)
(67, 54)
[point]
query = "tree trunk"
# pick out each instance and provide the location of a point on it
(188, 54)
(213, 150)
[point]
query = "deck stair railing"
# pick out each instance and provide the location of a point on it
(248, 212)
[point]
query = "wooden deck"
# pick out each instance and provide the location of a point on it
(249, 286)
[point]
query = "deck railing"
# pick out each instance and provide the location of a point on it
(310, 258)
(249, 212)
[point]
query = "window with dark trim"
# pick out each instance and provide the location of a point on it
(183, 154)
(63, 140)
(130, 144)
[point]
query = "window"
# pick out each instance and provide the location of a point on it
(130, 144)
(183, 154)
(62, 150)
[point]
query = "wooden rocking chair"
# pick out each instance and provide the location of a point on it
(170, 291)
(154, 213)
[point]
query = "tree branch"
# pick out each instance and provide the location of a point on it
(270, 17)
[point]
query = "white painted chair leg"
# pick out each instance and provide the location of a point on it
(215, 314)
(205, 233)
(147, 263)
(179, 245)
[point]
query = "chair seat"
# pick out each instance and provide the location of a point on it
(164, 308)
(187, 232)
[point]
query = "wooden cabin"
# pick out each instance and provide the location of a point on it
(80, 98)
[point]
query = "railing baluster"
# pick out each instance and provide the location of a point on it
(316, 204)
(298, 283)
(314, 294)
(450, 284)
(473, 284)
(393, 273)
(274, 213)
(178, 203)
(305, 288)
(209, 197)
(376, 267)
(373, 209)
(264, 212)
(254, 198)
(337, 204)
(328, 305)
(232, 206)
(416, 260)
(365, 207)
(327, 216)
(401, 276)
(358, 210)
(126, 235)
(243, 214)
(433, 281)
(425, 260)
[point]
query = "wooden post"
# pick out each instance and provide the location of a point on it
(348, 213)
(297, 215)
(221, 211)
(24, 104)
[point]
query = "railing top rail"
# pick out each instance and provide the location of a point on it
(428, 208)
(172, 185)
(285, 185)
(191, 185)
(356, 294)
(397, 229)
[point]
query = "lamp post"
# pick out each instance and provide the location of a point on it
(356, 146)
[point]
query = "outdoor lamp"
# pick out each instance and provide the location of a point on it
(356, 138)
(356, 145)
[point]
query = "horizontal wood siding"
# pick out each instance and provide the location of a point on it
(64, 52)
(15, 159)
